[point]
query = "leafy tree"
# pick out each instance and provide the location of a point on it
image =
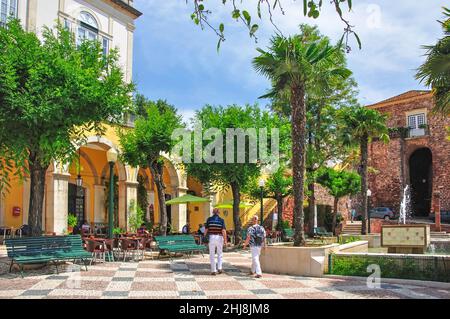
(52, 94)
(435, 72)
(358, 126)
(339, 184)
(143, 145)
(331, 87)
(278, 186)
(236, 175)
(241, 13)
(290, 64)
(136, 218)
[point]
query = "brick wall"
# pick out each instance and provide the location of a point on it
(385, 181)
(323, 198)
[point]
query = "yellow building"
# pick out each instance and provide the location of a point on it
(112, 23)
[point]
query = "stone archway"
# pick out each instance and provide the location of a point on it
(421, 181)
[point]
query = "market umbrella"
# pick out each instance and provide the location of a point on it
(229, 205)
(185, 199)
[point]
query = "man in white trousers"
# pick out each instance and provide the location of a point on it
(215, 228)
(256, 238)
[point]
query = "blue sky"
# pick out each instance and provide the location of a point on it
(175, 60)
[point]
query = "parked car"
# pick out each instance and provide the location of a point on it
(445, 216)
(382, 213)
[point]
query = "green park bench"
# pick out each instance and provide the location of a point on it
(288, 234)
(184, 244)
(44, 250)
(322, 232)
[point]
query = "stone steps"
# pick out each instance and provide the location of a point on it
(352, 228)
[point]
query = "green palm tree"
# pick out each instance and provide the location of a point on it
(435, 72)
(358, 126)
(290, 63)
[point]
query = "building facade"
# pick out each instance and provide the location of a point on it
(112, 23)
(417, 156)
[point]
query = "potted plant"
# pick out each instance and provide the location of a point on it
(72, 221)
(117, 231)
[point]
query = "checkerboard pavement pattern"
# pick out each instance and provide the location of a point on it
(190, 278)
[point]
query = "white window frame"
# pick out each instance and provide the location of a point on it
(6, 4)
(414, 121)
(91, 31)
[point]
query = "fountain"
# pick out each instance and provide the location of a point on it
(404, 206)
(405, 238)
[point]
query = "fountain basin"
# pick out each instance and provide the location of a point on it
(406, 239)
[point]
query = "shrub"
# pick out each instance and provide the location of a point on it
(434, 269)
(72, 220)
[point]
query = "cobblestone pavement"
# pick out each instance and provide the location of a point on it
(190, 278)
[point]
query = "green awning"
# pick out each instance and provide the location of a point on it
(185, 199)
(229, 205)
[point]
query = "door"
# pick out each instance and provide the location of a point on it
(76, 202)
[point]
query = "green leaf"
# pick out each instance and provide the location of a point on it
(359, 41)
(218, 45)
(247, 17)
(201, 7)
(221, 28)
(254, 28)
(236, 14)
(305, 7)
(349, 4)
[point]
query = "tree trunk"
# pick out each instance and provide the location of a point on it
(298, 160)
(37, 190)
(364, 163)
(279, 200)
(235, 189)
(157, 171)
(335, 211)
(311, 204)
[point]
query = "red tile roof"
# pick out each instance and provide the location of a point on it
(404, 96)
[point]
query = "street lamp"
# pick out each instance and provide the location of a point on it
(262, 184)
(79, 179)
(111, 157)
(369, 194)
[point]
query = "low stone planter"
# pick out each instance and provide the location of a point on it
(304, 261)
(374, 240)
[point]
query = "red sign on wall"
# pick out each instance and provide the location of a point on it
(16, 211)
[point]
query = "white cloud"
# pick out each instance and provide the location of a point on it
(179, 61)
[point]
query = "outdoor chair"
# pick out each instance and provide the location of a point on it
(97, 249)
(129, 248)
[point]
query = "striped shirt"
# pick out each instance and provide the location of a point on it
(215, 225)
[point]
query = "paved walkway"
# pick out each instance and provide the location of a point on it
(191, 279)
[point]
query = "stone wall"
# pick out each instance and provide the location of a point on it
(385, 159)
(323, 198)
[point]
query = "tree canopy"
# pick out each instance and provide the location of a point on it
(435, 72)
(145, 144)
(52, 94)
(236, 175)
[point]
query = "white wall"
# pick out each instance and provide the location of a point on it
(113, 24)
